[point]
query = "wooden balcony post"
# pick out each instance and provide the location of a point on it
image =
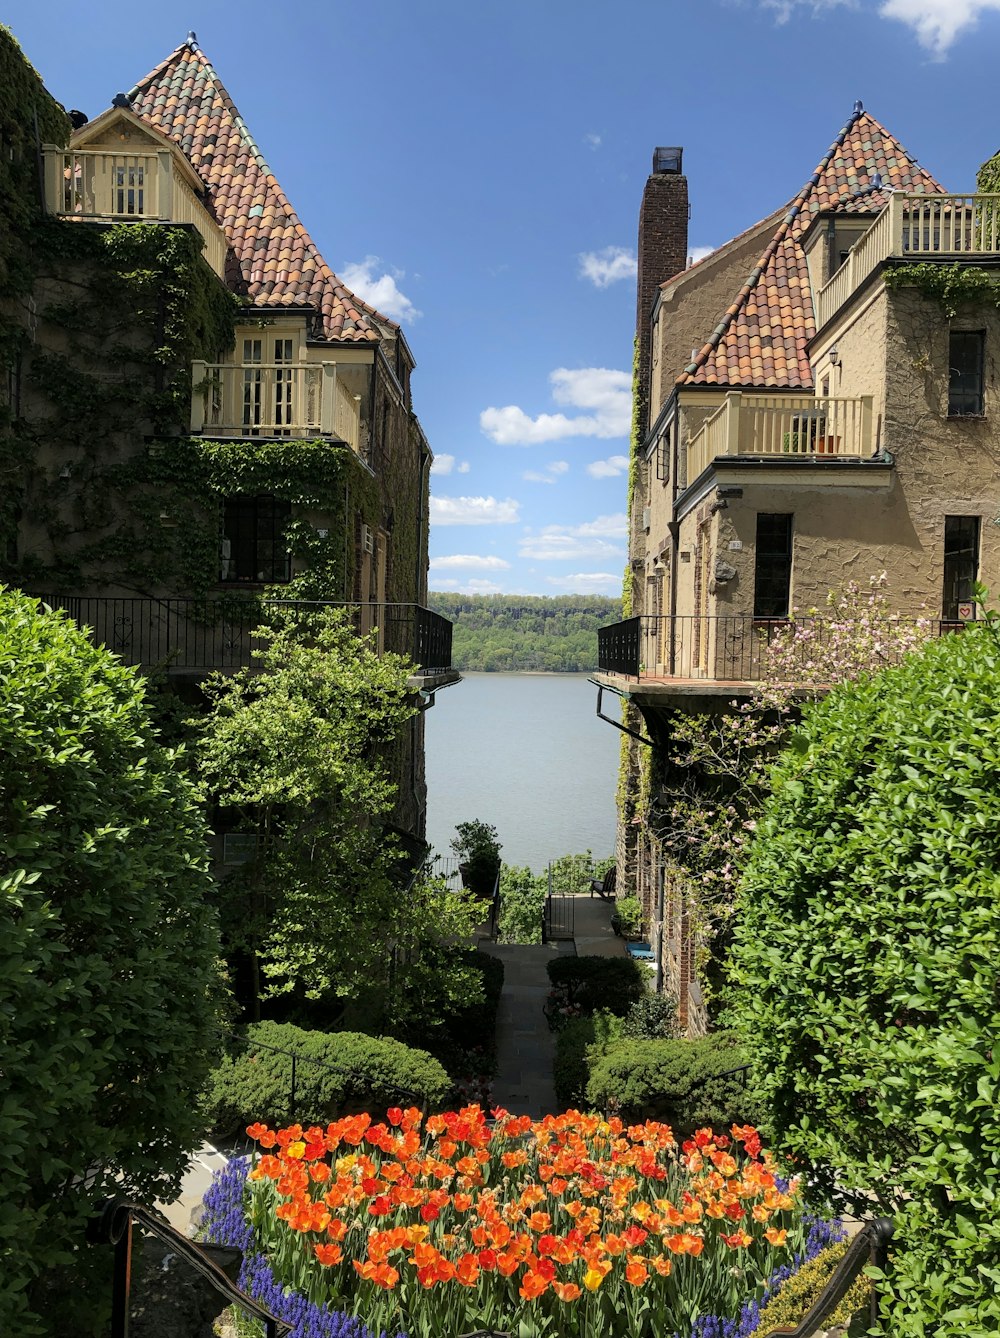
(733, 400)
(199, 375)
(896, 202)
(54, 167)
(865, 444)
(164, 201)
(328, 399)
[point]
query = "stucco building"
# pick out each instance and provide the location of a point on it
(816, 405)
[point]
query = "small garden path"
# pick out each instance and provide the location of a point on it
(525, 1046)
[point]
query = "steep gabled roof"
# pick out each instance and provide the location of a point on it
(278, 262)
(763, 336)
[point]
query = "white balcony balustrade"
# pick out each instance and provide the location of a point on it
(274, 400)
(783, 426)
(107, 185)
(918, 227)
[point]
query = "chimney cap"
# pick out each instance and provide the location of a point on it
(667, 160)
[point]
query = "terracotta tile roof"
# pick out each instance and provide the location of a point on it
(274, 261)
(762, 337)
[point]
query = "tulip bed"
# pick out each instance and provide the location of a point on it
(568, 1227)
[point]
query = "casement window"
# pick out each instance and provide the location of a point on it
(961, 564)
(965, 373)
(773, 565)
(254, 547)
(268, 388)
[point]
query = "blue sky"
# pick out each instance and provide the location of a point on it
(475, 169)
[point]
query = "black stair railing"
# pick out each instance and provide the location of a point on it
(114, 1227)
(869, 1247)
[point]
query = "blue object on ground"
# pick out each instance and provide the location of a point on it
(641, 951)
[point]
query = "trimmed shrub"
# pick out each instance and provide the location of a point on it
(592, 983)
(674, 1081)
(578, 1045)
(651, 1018)
(335, 1074)
(868, 987)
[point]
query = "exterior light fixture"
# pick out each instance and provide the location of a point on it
(834, 357)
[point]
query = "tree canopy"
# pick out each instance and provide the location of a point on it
(109, 987)
(867, 967)
(511, 633)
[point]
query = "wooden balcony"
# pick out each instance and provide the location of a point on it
(785, 427)
(917, 227)
(292, 399)
(106, 186)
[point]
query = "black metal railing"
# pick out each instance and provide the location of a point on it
(735, 648)
(217, 633)
(114, 1227)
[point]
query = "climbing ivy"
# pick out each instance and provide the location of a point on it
(951, 286)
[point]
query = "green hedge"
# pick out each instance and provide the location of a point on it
(336, 1073)
(593, 983)
(802, 1291)
(578, 1045)
(672, 1080)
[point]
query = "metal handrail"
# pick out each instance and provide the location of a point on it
(869, 1246)
(114, 1227)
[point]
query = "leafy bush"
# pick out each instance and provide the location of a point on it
(476, 846)
(522, 898)
(464, 1035)
(627, 917)
(592, 983)
(572, 873)
(867, 972)
(653, 1017)
(802, 1290)
(578, 1044)
(334, 1073)
(674, 1081)
(108, 980)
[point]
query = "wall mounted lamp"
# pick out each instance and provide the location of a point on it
(834, 357)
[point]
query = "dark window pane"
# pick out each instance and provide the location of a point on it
(965, 373)
(961, 563)
(253, 542)
(773, 570)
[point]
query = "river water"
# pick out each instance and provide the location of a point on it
(527, 753)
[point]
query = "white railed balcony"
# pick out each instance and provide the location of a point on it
(918, 227)
(783, 427)
(111, 186)
(292, 399)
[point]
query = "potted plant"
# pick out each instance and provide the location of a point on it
(478, 850)
(627, 918)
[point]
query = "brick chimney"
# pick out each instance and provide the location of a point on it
(663, 250)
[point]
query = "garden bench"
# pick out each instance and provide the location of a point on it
(604, 887)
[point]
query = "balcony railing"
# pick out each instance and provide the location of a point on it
(783, 426)
(918, 226)
(291, 399)
(735, 648)
(105, 185)
(200, 635)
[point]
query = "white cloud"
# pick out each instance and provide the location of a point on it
(585, 581)
(592, 141)
(699, 253)
(606, 267)
(472, 587)
(382, 292)
(444, 464)
(610, 468)
(607, 393)
(473, 511)
(553, 471)
(937, 22)
(556, 543)
(470, 562)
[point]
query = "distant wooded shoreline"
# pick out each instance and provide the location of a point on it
(526, 633)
